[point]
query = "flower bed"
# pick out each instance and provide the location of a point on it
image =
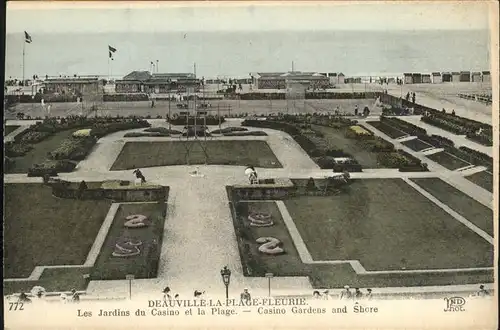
(51, 168)
(357, 132)
(249, 133)
(387, 129)
(401, 160)
(146, 134)
(73, 148)
(404, 126)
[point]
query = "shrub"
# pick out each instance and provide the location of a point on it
(9, 163)
(229, 130)
(73, 148)
(376, 144)
(250, 133)
(82, 133)
(51, 168)
(311, 186)
(13, 149)
(163, 130)
(357, 132)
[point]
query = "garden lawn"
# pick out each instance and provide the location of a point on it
(229, 152)
(333, 276)
(416, 144)
(9, 129)
(53, 280)
(145, 264)
(447, 160)
(387, 130)
(39, 152)
(337, 140)
(40, 229)
(483, 179)
(386, 225)
(464, 205)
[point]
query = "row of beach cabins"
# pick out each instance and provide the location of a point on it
(443, 77)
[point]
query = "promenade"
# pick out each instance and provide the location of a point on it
(199, 236)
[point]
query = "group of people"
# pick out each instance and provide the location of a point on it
(245, 296)
(357, 294)
(39, 294)
(412, 96)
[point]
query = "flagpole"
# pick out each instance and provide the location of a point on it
(24, 51)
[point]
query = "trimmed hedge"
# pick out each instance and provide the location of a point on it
(401, 160)
(73, 148)
(51, 168)
(13, 149)
(162, 130)
(229, 130)
(249, 133)
(210, 120)
(404, 126)
(145, 134)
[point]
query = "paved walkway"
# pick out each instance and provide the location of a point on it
(438, 99)
(199, 236)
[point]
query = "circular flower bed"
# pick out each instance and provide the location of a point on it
(136, 221)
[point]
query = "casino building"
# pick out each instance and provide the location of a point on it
(159, 83)
(280, 80)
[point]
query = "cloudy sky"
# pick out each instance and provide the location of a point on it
(51, 17)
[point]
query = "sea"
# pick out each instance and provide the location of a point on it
(237, 54)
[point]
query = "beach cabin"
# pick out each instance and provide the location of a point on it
(455, 76)
(436, 78)
(341, 78)
(417, 78)
(426, 79)
(465, 76)
(486, 76)
(446, 77)
(476, 77)
(161, 83)
(408, 78)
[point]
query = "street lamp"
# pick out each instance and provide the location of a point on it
(226, 277)
(269, 277)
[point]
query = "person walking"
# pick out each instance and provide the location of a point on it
(139, 175)
(245, 297)
(482, 291)
(368, 295)
(356, 110)
(358, 294)
(413, 98)
(346, 293)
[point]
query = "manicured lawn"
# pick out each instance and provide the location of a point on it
(39, 153)
(482, 179)
(230, 152)
(387, 225)
(447, 160)
(40, 229)
(10, 129)
(464, 205)
(144, 265)
(335, 276)
(388, 130)
(416, 144)
(53, 280)
(336, 139)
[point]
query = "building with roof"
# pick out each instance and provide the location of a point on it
(145, 82)
(465, 76)
(408, 78)
(73, 85)
(426, 78)
(455, 76)
(280, 80)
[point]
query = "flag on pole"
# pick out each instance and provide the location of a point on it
(111, 50)
(27, 37)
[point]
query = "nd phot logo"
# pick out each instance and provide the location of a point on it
(454, 304)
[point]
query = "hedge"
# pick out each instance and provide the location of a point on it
(229, 130)
(13, 149)
(51, 168)
(162, 130)
(437, 140)
(404, 126)
(249, 133)
(210, 120)
(146, 134)
(73, 148)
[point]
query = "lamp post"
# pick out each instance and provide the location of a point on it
(226, 277)
(269, 277)
(129, 278)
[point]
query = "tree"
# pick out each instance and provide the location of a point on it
(310, 185)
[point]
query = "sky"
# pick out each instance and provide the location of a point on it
(61, 17)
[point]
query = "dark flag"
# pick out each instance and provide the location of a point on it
(111, 50)
(27, 37)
